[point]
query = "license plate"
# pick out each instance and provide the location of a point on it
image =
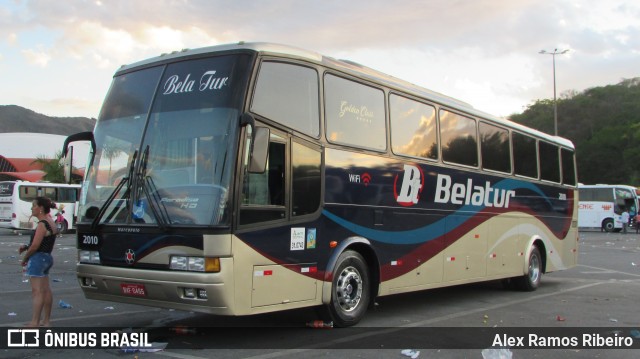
(136, 290)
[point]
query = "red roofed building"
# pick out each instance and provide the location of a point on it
(24, 169)
(19, 151)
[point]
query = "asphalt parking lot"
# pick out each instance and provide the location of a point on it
(602, 292)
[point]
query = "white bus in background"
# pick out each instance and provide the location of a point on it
(16, 198)
(601, 206)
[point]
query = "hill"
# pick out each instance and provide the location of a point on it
(604, 125)
(19, 119)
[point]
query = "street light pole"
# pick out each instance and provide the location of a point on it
(555, 103)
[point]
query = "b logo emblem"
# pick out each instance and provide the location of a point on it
(412, 183)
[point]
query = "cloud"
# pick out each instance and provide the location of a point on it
(110, 47)
(484, 52)
(38, 57)
(123, 31)
(11, 38)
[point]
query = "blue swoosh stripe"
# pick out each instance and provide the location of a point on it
(431, 231)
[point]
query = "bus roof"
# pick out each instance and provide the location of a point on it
(599, 185)
(42, 184)
(350, 68)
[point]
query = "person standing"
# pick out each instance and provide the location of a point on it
(60, 220)
(625, 221)
(38, 261)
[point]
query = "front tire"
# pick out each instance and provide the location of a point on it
(531, 280)
(350, 290)
(608, 225)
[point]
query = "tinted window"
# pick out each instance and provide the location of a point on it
(355, 114)
(596, 194)
(67, 194)
(525, 158)
(306, 179)
(494, 148)
(413, 128)
(6, 189)
(459, 139)
(263, 194)
(130, 94)
(28, 193)
(288, 94)
(568, 167)
(549, 162)
(267, 188)
(48, 192)
(202, 84)
(603, 194)
(188, 142)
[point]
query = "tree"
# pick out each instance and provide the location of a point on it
(112, 151)
(604, 125)
(53, 169)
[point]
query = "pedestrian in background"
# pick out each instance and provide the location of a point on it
(38, 260)
(625, 221)
(60, 220)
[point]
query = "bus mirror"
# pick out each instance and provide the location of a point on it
(81, 136)
(67, 151)
(67, 164)
(259, 150)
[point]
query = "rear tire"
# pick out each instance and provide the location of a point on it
(350, 290)
(531, 280)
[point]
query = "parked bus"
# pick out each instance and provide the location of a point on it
(16, 198)
(601, 206)
(252, 178)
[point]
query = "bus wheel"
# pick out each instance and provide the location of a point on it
(350, 294)
(607, 225)
(531, 280)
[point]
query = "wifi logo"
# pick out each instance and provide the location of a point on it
(366, 178)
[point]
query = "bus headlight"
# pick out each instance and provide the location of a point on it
(178, 263)
(195, 264)
(92, 257)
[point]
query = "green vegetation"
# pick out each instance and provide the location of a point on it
(604, 125)
(52, 168)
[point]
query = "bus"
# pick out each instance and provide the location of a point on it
(16, 198)
(250, 178)
(601, 206)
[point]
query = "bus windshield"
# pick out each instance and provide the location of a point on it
(165, 145)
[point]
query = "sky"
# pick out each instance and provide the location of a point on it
(58, 57)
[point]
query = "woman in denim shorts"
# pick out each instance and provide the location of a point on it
(38, 260)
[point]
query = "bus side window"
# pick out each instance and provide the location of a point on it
(263, 196)
(525, 157)
(267, 188)
(305, 178)
(275, 170)
(568, 167)
(459, 139)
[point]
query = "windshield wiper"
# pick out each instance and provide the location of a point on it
(113, 194)
(155, 202)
